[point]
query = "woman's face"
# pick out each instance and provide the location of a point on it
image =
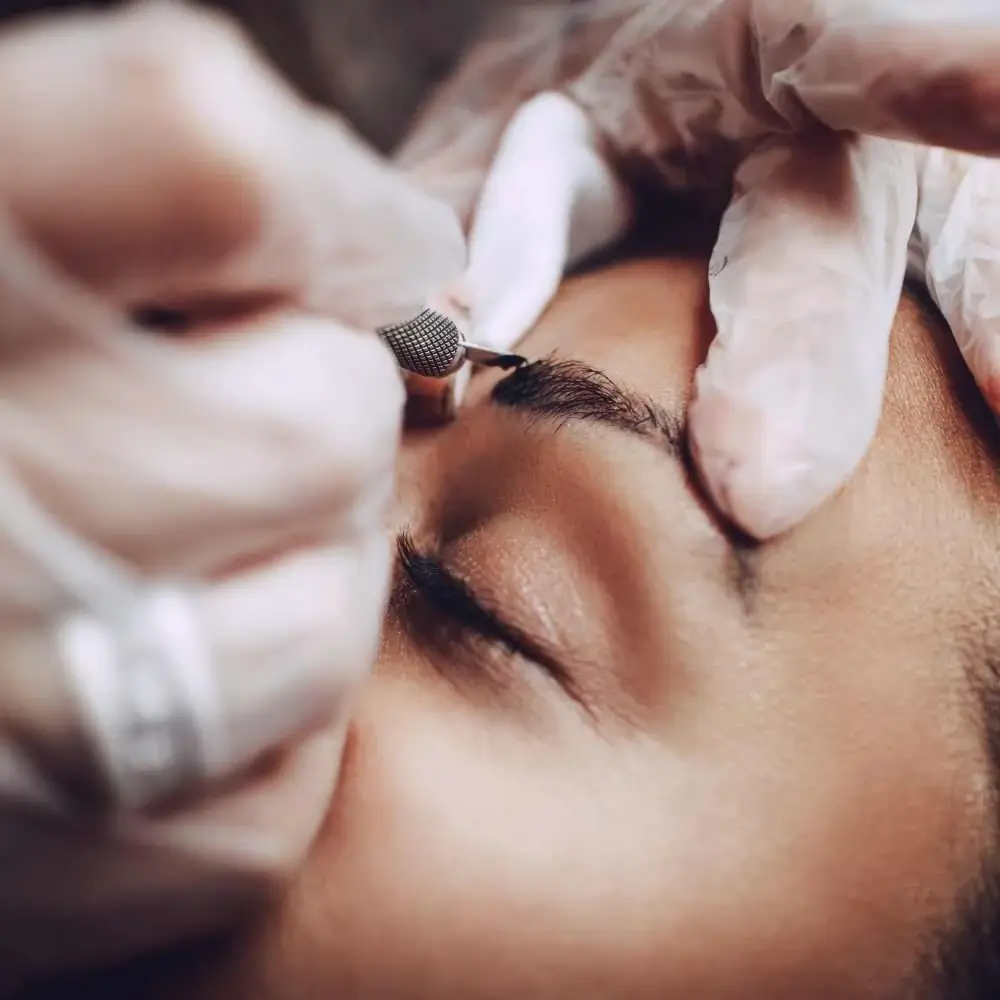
(683, 767)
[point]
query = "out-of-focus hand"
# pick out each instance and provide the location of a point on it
(150, 161)
(955, 249)
(803, 113)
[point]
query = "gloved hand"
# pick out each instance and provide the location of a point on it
(778, 104)
(215, 498)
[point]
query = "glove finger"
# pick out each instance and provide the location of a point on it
(213, 450)
(804, 285)
(292, 643)
(957, 243)
(550, 199)
(141, 168)
(169, 166)
(916, 69)
(380, 243)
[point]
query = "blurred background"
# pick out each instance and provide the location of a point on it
(372, 59)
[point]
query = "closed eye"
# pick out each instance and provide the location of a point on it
(453, 600)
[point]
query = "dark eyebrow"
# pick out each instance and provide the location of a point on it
(565, 390)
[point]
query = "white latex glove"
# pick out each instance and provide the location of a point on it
(782, 100)
(149, 160)
(955, 248)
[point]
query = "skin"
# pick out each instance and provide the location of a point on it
(778, 794)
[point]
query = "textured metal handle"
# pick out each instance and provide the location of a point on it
(430, 344)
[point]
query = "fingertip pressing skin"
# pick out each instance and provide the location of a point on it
(549, 200)
(760, 476)
(813, 247)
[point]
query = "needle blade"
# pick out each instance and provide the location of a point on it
(489, 358)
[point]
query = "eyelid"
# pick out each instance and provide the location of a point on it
(452, 598)
(564, 390)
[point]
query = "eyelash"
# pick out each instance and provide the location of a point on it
(456, 605)
(441, 591)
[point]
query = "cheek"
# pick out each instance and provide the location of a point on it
(855, 782)
(462, 841)
(470, 858)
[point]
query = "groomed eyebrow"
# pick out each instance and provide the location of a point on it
(566, 390)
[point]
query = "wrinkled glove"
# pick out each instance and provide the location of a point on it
(219, 494)
(789, 109)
